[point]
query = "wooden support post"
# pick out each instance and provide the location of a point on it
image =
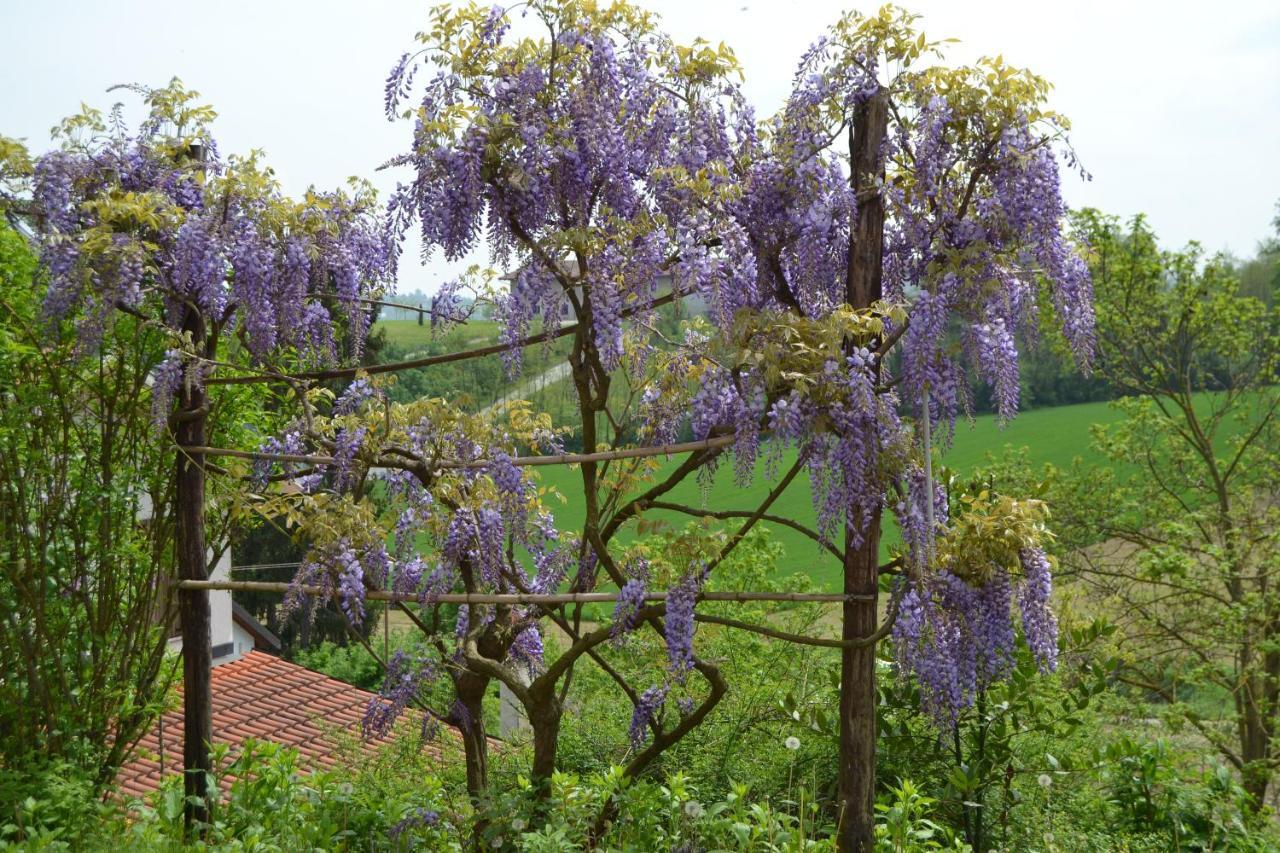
(861, 564)
(191, 422)
(193, 611)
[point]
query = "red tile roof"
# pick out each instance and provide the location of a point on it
(261, 697)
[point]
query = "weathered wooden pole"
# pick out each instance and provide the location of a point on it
(862, 564)
(191, 420)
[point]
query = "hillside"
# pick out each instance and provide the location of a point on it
(1055, 436)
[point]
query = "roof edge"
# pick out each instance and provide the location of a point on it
(261, 635)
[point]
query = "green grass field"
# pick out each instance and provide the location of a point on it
(408, 335)
(1056, 436)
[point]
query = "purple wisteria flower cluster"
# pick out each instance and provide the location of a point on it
(268, 272)
(417, 819)
(405, 678)
(678, 631)
(646, 712)
(625, 612)
(474, 526)
(680, 624)
(957, 636)
(603, 140)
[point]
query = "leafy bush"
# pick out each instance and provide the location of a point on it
(49, 806)
(83, 670)
(266, 803)
(350, 663)
(1205, 810)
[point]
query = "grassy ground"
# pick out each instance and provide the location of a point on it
(408, 335)
(1056, 436)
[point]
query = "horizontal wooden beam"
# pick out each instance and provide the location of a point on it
(519, 461)
(515, 597)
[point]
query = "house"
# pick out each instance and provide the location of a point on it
(254, 695)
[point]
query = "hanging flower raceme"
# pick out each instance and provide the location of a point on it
(454, 513)
(955, 629)
(157, 225)
(406, 677)
(680, 626)
(647, 710)
(526, 650)
(625, 612)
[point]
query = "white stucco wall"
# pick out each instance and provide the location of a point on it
(222, 627)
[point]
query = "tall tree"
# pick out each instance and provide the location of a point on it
(576, 155)
(1260, 275)
(1190, 514)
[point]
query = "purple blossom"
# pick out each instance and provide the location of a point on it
(630, 601)
(512, 489)
(447, 306)
(646, 711)
(913, 515)
(355, 396)
(346, 445)
(551, 562)
(526, 649)
(417, 819)
(350, 583)
(957, 639)
(998, 358)
(290, 443)
(460, 714)
(399, 84)
(256, 275)
(165, 382)
(406, 675)
(1039, 625)
(680, 624)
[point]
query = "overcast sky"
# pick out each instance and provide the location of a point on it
(1175, 106)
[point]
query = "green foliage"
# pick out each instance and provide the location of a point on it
(670, 815)
(267, 804)
(902, 824)
(82, 650)
(745, 738)
(397, 802)
(54, 805)
(350, 663)
(1186, 526)
(1152, 795)
(1260, 276)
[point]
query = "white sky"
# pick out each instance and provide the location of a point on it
(1175, 105)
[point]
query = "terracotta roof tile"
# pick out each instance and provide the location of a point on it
(262, 697)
